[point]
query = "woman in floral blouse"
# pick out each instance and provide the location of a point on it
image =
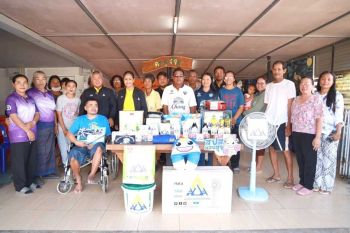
(306, 121)
(333, 109)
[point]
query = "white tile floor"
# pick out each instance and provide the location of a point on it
(93, 210)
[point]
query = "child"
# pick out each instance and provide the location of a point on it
(67, 110)
(248, 97)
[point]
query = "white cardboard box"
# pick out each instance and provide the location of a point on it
(204, 190)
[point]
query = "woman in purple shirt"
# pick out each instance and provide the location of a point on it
(23, 116)
(45, 102)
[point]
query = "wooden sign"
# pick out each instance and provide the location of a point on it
(167, 61)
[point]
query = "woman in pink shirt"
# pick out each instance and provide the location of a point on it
(306, 126)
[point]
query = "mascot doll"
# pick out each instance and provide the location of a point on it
(185, 154)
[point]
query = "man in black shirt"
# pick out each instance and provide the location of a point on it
(219, 75)
(107, 103)
(163, 81)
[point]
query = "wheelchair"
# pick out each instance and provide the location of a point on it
(106, 167)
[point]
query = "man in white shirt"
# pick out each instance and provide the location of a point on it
(178, 98)
(279, 95)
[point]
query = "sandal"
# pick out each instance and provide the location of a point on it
(288, 185)
(273, 180)
(325, 192)
(92, 181)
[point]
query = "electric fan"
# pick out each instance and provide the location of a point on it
(256, 133)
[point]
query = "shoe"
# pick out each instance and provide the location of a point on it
(315, 189)
(297, 187)
(304, 192)
(39, 180)
(325, 192)
(288, 185)
(34, 186)
(51, 176)
(273, 180)
(236, 170)
(25, 190)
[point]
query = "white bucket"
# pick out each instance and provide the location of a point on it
(138, 199)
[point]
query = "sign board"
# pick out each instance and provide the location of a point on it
(167, 61)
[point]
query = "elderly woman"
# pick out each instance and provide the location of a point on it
(306, 118)
(117, 83)
(258, 105)
(46, 126)
(23, 117)
(333, 108)
(152, 96)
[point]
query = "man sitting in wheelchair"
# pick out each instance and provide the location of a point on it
(90, 130)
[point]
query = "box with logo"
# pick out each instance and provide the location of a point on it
(204, 190)
(139, 164)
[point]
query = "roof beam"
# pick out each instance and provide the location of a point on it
(292, 41)
(175, 25)
(262, 14)
(93, 19)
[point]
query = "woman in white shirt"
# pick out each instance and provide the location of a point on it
(333, 108)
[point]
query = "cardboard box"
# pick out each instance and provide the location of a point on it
(204, 190)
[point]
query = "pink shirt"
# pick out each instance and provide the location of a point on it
(304, 115)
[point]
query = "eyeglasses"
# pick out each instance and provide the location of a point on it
(178, 76)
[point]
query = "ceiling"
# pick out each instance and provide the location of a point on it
(118, 35)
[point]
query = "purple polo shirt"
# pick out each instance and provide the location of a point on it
(45, 102)
(25, 109)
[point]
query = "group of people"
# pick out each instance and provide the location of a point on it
(47, 109)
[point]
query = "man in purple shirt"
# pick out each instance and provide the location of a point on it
(23, 116)
(45, 102)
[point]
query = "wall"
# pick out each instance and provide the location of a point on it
(5, 89)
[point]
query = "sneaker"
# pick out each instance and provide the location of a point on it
(25, 190)
(236, 170)
(297, 187)
(34, 186)
(304, 192)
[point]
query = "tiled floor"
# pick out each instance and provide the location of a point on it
(93, 210)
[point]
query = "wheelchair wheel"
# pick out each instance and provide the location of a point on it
(104, 183)
(114, 166)
(63, 187)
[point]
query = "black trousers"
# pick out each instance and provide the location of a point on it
(23, 155)
(306, 158)
(235, 158)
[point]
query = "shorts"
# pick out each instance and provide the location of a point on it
(280, 145)
(82, 154)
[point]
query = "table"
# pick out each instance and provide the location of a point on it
(160, 148)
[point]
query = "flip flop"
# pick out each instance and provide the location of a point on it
(288, 185)
(91, 181)
(273, 180)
